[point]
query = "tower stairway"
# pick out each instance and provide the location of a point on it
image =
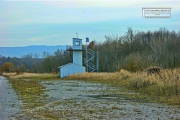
(91, 61)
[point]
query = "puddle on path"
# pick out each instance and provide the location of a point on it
(78, 100)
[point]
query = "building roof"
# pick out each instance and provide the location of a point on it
(69, 64)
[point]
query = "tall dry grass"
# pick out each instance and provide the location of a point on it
(31, 76)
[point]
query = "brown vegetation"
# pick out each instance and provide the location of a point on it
(31, 76)
(7, 67)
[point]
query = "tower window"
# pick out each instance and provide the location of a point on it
(77, 43)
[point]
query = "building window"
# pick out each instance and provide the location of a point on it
(77, 43)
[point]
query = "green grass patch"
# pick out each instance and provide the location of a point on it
(30, 91)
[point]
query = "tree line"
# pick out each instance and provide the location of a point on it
(137, 50)
(133, 51)
(32, 63)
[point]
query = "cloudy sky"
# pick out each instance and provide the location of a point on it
(56, 22)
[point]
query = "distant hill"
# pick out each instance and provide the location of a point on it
(21, 51)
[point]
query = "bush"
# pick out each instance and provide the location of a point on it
(134, 62)
(8, 67)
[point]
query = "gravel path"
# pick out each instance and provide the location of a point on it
(78, 100)
(9, 103)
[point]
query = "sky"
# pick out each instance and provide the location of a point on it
(56, 22)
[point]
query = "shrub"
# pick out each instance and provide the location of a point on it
(8, 67)
(134, 62)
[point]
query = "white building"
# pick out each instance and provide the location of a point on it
(76, 66)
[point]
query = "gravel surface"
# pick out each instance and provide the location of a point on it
(100, 101)
(9, 103)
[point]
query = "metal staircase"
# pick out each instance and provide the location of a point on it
(91, 61)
